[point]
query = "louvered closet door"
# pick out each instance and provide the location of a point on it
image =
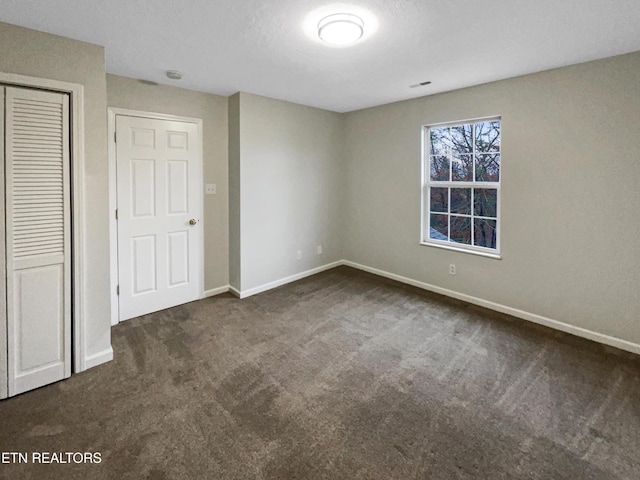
(37, 238)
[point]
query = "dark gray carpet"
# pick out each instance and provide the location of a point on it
(343, 375)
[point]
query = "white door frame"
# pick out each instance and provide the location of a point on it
(113, 196)
(76, 113)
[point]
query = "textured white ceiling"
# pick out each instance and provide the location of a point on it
(262, 47)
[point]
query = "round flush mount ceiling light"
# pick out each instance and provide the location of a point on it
(174, 74)
(340, 29)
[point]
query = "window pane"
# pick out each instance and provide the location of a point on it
(461, 229)
(485, 202)
(462, 168)
(439, 199)
(487, 137)
(440, 169)
(462, 139)
(439, 227)
(463, 183)
(461, 201)
(440, 141)
(488, 167)
(484, 232)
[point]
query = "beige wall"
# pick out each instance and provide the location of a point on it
(37, 54)
(288, 160)
(212, 109)
(570, 229)
(235, 235)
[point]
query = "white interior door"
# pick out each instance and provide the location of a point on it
(159, 184)
(38, 238)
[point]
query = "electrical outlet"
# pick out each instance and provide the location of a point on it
(299, 254)
(210, 189)
(452, 269)
(319, 249)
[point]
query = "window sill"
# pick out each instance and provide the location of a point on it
(496, 256)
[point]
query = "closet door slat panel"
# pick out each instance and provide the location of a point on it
(37, 205)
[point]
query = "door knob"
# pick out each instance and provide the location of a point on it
(193, 221)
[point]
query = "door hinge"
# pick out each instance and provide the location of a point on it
(118, 290)
(115, 137)
(116, 213)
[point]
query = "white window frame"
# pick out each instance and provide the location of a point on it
(427, 184)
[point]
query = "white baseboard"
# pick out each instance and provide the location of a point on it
(531, 317)
(215, 291)
(105, 356)
(98, 358)
(283, 281)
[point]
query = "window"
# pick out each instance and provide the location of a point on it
(461, 186)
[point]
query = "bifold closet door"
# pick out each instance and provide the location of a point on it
(38, 238)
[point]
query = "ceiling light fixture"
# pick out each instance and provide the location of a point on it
(340, 29)
(174, 74)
